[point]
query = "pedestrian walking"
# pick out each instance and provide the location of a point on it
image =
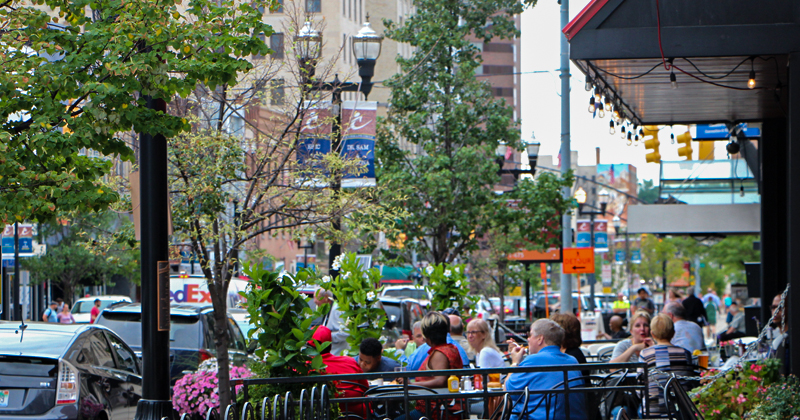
(65, 317)
(51, 314)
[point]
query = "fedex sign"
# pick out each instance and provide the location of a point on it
(190, 293)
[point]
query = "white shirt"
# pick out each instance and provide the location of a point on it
(489, 358)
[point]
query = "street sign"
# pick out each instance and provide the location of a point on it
(578, 261)
(721, 132)
(551, 255)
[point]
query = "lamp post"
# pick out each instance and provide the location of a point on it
(603, 196)
(366, 49)
(532, 149)
(617, 222)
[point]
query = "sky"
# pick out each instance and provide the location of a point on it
(541, 103)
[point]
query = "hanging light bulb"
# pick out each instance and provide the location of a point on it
(636, 139)
(588, 85)
(616, 114)
(751, 81)
(672, 80)
(622, 131)
(630, 137)
(611, 129)
(607, 103)
(591, 105)
(600, 112)
(641, 132)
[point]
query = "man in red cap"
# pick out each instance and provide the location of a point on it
(340, 365)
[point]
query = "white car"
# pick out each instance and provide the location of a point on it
(419, 293)
(82, 309)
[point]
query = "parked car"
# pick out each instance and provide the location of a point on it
(242, 319)
(554, 299)
(420, 293)
(66, 371)
(401, 314)
(82, 308)
(191, 334)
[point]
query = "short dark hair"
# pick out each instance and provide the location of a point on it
(371, 347)
(572, 329)
(435, 327)
(96, 300)
(642, 289)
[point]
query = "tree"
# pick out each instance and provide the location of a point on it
(655, 251)
(77, 73)
(237, 176)
(529, 219)
(90, 250)
(648, 192)
(438, 105)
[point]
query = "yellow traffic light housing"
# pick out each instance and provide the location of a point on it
(686, 150)
(652, 143)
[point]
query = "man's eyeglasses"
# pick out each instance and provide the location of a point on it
(473, 332)
(774, 307)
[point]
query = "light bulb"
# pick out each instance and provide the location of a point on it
(607, 102)
(598, 98)
(591, 105)
(641, 132)
(600, 112)
(588, 85)
(741, 187)
(616, 115)
(622, 132)
(672, 138)
(611, 129)
(636, 138)
(751, 81)
(630, 137)
(672, 80)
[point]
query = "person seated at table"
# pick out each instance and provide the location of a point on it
(687, 334)
(415, 360)
(487, 355)
(441, 356)
(544, 343)
(457, 331)
(338, 365)
(736, 327)
(572, 335)
(665, 357)
(407, 346)
(370, 357)
(628, 350)
(616, 330)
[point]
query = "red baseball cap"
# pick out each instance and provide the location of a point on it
(322, 335)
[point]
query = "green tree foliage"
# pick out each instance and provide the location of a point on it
(439, 106)
(91, 249)
(648, 192)
(77, 73)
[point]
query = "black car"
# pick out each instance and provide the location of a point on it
(66, 371)
(401, 314)
(191, 334)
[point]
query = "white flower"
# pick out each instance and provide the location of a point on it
(458, 283)
(326, 279)
(457, 269)
(337, 262)
(371, 295)
(447, 273)
(429, 269)
(346, 275)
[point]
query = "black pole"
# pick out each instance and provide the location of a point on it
(155, 403)
(336, 101)
(6, 294)
(16, 286)
(590, 277)
(664, 278)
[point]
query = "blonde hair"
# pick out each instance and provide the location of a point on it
(641, 314)
(662, 327)
(483, 326)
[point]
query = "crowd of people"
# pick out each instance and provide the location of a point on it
(665, 341)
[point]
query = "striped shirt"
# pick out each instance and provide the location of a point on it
(673, 359)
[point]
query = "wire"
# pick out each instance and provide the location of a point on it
(627, 77)
(718, 77)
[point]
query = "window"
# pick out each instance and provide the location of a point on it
(277, 94)
(237, 340)
(498, 47)
(263, 38)
(313, 6)
(503, 92)
(100, 353)
(125, 357)
(276, 44)
(495, 69)
(278, 7)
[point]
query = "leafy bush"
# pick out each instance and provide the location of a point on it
(739, 391)
(449, 285)
(196, 392)
(780, 401)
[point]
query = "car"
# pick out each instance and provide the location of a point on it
(242, 319)
(401, 314)
(82, 308)
(554, 300)
(191, 334)
(420, 293)
(66, 371)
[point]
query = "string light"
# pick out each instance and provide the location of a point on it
(588, 85)
(672, 138)
(611, 129)
(629, 138)
(641, 132)
(600, 112)
(622, 131)
(751, 81)
(591, 105)
(616, 114)
(672, 80)
(607, 102)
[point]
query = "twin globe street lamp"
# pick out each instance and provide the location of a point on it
(366, 45)
(603, 197)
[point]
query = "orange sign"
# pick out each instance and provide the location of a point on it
(578, 261)
(551, 255)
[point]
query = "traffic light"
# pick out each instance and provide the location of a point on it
(654, 156)
(686, 140)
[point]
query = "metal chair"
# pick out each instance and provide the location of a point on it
(622, 415)
(679, 405)
(604, 353)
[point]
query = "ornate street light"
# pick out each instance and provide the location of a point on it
(309, 49)
(366, 48)
(580, 195)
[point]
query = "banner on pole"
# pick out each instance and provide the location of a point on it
(359, 123)
(583, 233)
(601, 236)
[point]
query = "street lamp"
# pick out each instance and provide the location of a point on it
(617, 223)
(366, 49)
(603, 197)
(532, 149)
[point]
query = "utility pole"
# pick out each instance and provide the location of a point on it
(15, 288)
(566, 161)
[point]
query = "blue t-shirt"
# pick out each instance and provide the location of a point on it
(419, 356)
(52, 316)
(537, 409)
(386, 364)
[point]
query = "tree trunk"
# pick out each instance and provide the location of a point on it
(219, 298)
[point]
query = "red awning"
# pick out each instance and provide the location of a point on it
(588, 12)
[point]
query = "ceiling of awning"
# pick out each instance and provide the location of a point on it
(646, 94)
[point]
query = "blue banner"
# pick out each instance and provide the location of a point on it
(619, 256)
(636, 256)
(312, 149)
(583, 240)
(600, 241)
(362, 148)
(720, 131)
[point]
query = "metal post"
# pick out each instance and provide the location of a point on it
(6, 295)
(628, 268)
(566, 159)
(155, 403)
(336, 101)
(15, 287)
(528, 311)
(590, 276)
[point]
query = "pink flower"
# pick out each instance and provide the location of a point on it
(741, 399)
(756, 368)
(755, 378)
(716, 412)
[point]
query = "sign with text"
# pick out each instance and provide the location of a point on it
(578, 261)
(551, 255)
(314, 139)
(583, 234)
(25, 239)
(359, 122)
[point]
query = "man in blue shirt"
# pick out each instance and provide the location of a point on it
(370, 357)
(51, 313)
(544, 344)
(416, 358)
